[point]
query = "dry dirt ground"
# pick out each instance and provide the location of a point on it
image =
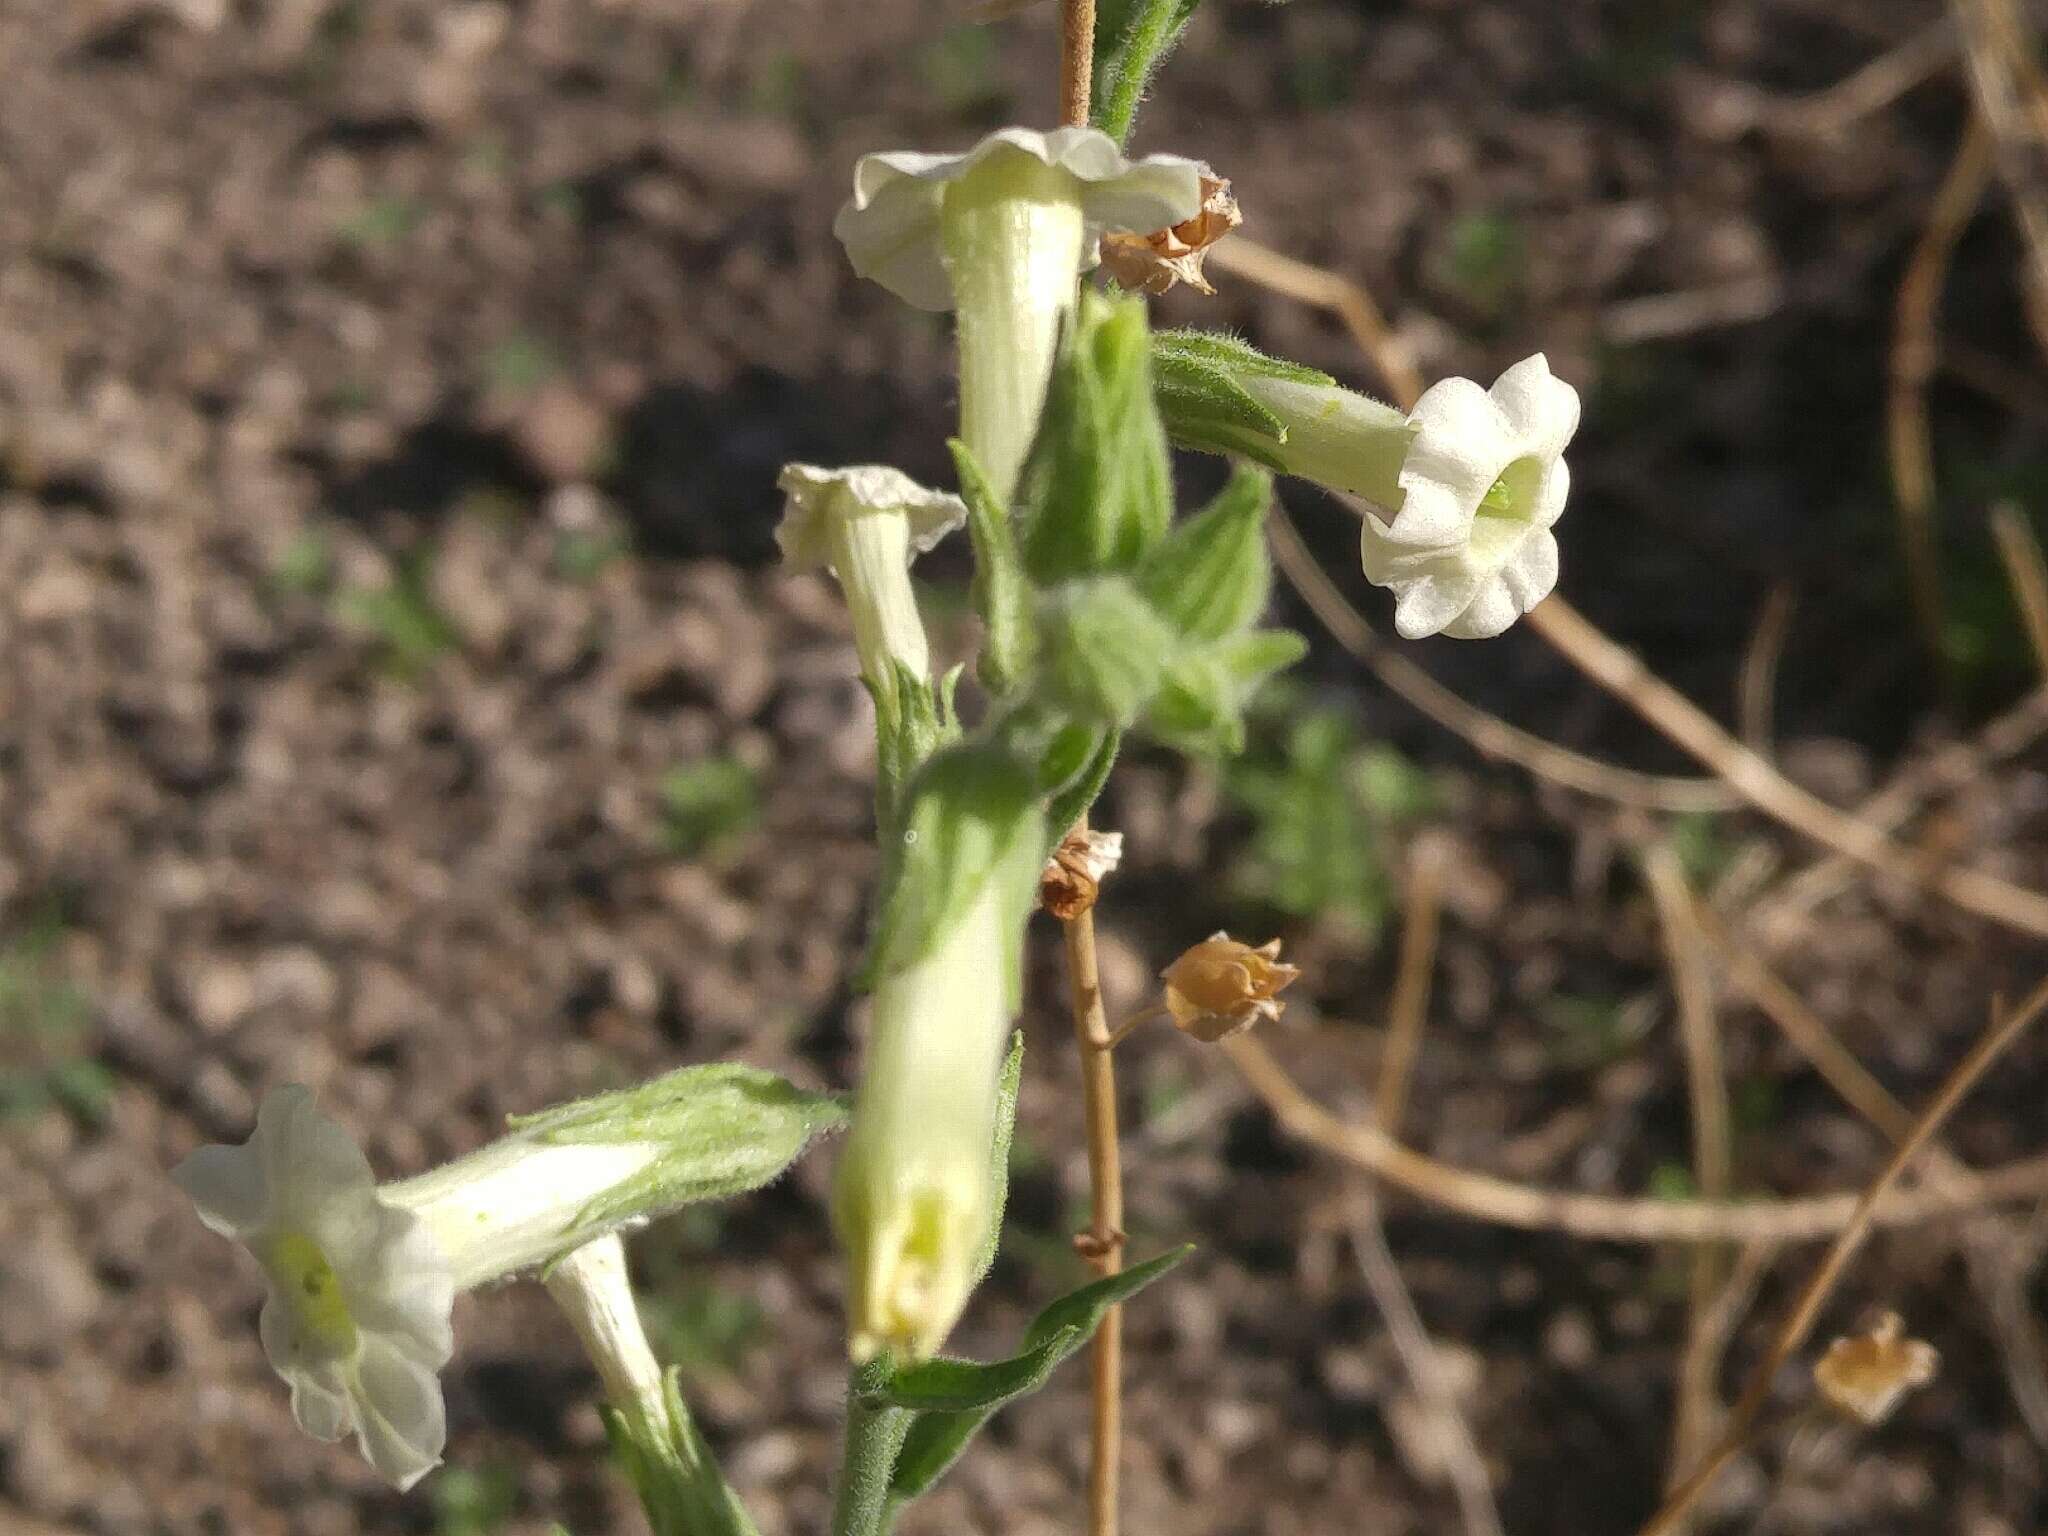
(390, 399)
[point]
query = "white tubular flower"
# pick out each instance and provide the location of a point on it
(912, 1199)
(357, 1320)
(363, 1276)
(1000, 233)
(866, 524)
(1468, 550)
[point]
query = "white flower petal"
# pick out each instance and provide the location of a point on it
(1552, 492)
(1424, 608)
(308, 1160)
(1470, 550)
(1462, 440)
(401, 1420)
(1542, 409)
(890, 226)
(1531, 573)
(1490, 612)
(320, 1402)
(228, 1187)
(815, 499)
(398, 1283)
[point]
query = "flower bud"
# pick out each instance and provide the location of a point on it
(1221, 986)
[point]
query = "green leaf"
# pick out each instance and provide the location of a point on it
(1097, 490)
(1201, 703)
(1071, 803)
(1106, 651)
(727, 1129)
(956, 1397)
(1211, 577)
(999, 1154)
(1002, 591)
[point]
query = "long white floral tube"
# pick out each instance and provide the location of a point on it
(1000, 233)
(912, 1200)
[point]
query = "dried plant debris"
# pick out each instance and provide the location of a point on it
(1866, 1375)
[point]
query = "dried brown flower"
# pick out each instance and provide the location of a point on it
(1074, 874)
(1221, 986)
(1866, 1375)
(1154, 263)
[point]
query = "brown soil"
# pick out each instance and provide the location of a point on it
(390, 400)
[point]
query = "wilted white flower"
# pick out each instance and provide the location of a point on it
(866, 524)
(357, 1319)
(1469, 550)
(999, 233)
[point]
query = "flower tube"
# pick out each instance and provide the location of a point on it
(999, 234)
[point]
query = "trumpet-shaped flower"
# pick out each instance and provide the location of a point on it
(357, 1319)
(362, 1276)
(1468, 550)
(999, 233)
(866, 524)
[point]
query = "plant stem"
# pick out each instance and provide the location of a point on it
(1103, 1243)
(1150, 36)
(1077, 60)
(874, 1437)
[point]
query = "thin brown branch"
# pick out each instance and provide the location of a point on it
(1488, 735)
(1103, 1244)
(1077, 61)
(1873, 87)
(1462, 1459)
(1939, 772)
(2020, 551)
(1606, 1218)
(1799, 1324)
(1712, 1146)
(1915, 352)
(2012, 103)
(1618, 671)
(1757, 692)
(1409, 1009)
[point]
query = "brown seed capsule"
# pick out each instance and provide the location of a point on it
(1074, 874)
(1866, 1375)
(1221, 986)
(1154, 263)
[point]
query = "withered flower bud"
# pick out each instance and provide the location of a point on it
(1154, 263)
(1221, 986)
(1074, 874)
(1866, 1375)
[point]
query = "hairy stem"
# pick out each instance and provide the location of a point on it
(1104, 1241)
(874, 1437)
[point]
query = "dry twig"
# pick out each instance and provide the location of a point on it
(1409, 1009)
(1713, 1142)
(1488, 735)
(1873, 87)
(1609, 1218)
(1915, 352)
(1463, 1462)
(1758, 689)
(2027, 572)
(2012, 103)
(1620, 673)
(1792, 1334)
(1350, 301)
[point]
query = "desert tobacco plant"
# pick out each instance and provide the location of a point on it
(1107, 614)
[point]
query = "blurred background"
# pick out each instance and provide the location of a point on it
(398, 696)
